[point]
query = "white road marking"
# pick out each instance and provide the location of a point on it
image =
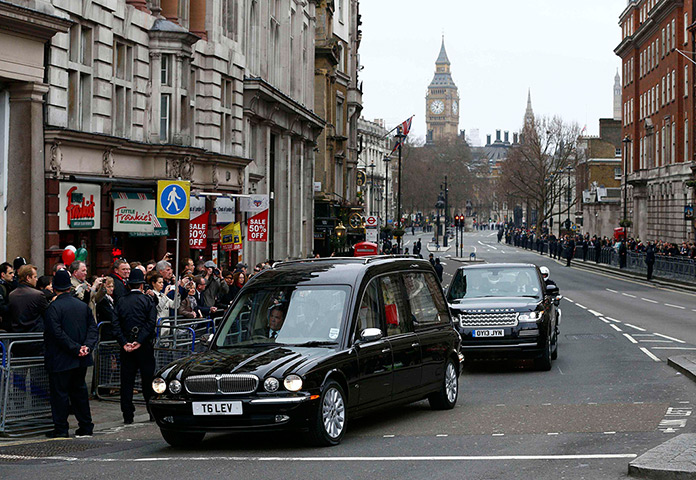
(633, 326)
(670, 338)
(581, 306)
(566, 298)
(613, 319)
(655, 341)
(388, 436)
(615, 327)
(628, 295)
(491, 246)
(552, 433)
(630, 338)
(675, 306)
(612, 291)
(442, 435)
(609, 433)
(595, 313)
(648, 300)
(674, 348)
(498, 435)
(604, 320)
(434, 458)
(649, 354)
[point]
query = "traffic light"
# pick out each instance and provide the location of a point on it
(456, 220)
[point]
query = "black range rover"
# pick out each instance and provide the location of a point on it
(308, 345)
(505, 310)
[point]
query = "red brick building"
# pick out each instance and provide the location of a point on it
(658, 116)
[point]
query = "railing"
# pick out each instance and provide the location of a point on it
(25, 406)
(680, 268)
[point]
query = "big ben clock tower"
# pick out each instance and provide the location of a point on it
(442, 102)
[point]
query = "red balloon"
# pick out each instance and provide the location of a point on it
(68, 257)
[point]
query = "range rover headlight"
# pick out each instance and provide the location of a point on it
(271, 384)
(175, 387)
(293, 383)
(529, 316)
(159, 385)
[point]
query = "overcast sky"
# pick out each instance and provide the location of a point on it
(562, 50)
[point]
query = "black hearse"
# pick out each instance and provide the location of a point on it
(311, 344)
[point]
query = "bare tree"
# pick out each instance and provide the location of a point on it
(534, 171)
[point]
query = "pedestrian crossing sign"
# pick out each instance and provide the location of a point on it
(173, 199)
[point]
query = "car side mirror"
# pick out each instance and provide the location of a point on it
(371, 335)
(552, 290)
(206, 339)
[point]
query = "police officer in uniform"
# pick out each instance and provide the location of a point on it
(134, 325)
(70, 334)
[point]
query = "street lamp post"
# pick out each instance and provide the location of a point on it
(386, 192)
(371, 205)
(570, 196)
(439, 205)
(399, 138)
(627, 142)
(444, 241)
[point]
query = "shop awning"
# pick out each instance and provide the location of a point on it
(141, 219)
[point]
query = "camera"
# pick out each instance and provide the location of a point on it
(216, 271)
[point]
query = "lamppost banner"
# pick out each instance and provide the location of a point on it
(257, 230)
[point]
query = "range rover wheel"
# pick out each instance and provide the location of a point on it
(182, 439)
(329, 422)
(554, 354)
(544, 363)
(446, 397)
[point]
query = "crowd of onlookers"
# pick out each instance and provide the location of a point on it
(204, 289)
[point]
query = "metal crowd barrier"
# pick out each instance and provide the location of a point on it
(25, 406)
(175, 339)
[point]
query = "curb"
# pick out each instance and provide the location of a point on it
(673, 460)
(686, 364)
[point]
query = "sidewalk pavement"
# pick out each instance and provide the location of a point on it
(676, 458)
(439, 249)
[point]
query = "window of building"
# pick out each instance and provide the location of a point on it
(166, 70)
(674, 33)
(687, 154)
(230, 18)
(80, 77)
(674, 84)
(122, 89)
(663, 92)
(341, 10)
(673, 153)
(226, 108)
(165, 117)
(686, 25)
(617, 173)
(668, 38)
(669, 87)
(339, 117)
(662, 48)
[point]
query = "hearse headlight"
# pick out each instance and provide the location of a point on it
(529, 316)
(159, 385)
(271, 384)
(175, 387)
(293, 383)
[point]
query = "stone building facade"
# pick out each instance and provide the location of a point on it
(376, 145)
(25, 29)
(338, 100)
(216, 92)
(658, 116)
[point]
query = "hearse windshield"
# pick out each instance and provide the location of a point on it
(309, 316)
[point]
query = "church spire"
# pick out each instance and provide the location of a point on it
(529, 113)
(442, 58)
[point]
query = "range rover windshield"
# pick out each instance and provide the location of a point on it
(308, 316)
(494, 282)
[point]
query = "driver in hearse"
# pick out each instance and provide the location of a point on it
(276, 317)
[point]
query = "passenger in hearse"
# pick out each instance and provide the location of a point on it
(276, 318)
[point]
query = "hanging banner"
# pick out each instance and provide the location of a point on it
(79, 206)
(198, 232)
(196, 206)
(231, 237)
(224, 210)
(254, 203)
(257, 230)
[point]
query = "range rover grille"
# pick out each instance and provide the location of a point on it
(225, 384)
(507, 319)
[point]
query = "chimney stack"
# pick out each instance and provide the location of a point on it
(515, 138)
(507, 137)
(488, 139)
(497, 135)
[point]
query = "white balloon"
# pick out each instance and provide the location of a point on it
(71, 247)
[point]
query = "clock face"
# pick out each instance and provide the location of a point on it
(455, 107)
(437, 107)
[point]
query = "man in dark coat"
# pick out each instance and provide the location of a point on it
(70, 334)
(622, 253)
(27, 304)
(439, 269)
(570, 250)
(133, 327)
(120, 276)
(650, 258)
